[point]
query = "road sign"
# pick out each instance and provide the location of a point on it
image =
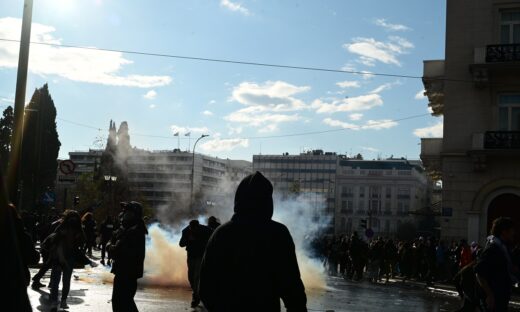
(369, 233)
(49, 197)
(67, 166)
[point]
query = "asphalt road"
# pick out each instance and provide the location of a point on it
(91, 291)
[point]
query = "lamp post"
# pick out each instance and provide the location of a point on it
(193, 171)
(14, 171)
(111, 179)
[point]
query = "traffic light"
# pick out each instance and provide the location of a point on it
(363, 223)
(76, 201)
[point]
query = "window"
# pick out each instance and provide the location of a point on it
(510, 27)
(509, 112)
(343, 225)
(388, 192)
(361, 192)
(403, 192)
(343, 206)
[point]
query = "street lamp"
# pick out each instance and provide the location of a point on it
(193, 170)
(111, 179)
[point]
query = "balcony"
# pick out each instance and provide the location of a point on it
(433, 80)
(503, 53)
(502, 140)
(431, 149)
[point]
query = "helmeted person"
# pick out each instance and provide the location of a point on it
(250, 262)
(195, 238)
(127, 252)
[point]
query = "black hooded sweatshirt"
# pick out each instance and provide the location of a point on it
(250, 262)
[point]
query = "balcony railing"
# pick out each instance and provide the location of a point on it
(503, 53)
(502, 140)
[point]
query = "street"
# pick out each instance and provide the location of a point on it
(91, 291)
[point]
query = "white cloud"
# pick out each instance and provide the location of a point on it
(150, 95)
(76, 64)
(152, 106)
(369, 125)
(369, 149)
(420, 95)
(356, 116)
(434, 131)
(348, 84)
(371, 51)
(234, 130)
(349, 67)
(389, 26)
(385, 86)
(235, 7)
(193, 130)
(267, 104)
(220, 145)
(212, 102)
(207, 113)
(359, 103)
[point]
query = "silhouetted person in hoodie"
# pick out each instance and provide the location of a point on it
(250, 261)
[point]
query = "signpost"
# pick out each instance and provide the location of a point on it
(67, 167)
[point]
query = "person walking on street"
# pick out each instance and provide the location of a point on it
(89, 228)
(250, 262)
(494, 269)
(105, 232)
(64, 249)
(127, 253)
(44, 250)
(195, 238)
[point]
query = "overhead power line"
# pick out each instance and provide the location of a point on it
(361, 127)
(239, 62)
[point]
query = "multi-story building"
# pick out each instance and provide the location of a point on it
(164, 178)
(382, 193)
(311, 174)
(345, 191)
(476, 88)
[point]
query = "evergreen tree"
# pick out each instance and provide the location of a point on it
(40, 147)
(6, 130)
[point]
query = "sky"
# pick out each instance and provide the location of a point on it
(244, 109)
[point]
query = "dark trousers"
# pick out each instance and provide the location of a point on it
(123, 294)
(103, 250)
(194, 264)
(56, 276)
(45, 267)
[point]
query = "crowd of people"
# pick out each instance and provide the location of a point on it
(424, 258)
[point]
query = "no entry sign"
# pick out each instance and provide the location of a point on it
(67, 167)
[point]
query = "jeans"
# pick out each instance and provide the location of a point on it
(56, 276)
(194, 264)
(123, 294)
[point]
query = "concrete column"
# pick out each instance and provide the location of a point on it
(473, 226)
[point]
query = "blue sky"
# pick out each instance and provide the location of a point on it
(233, 103)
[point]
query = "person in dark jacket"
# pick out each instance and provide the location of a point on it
(494, 269)
(105, 232)
(250, 262)
(213, 223)
(195, 238)
(89, 228)
(64, 246)
(47, 263)
(127, 253)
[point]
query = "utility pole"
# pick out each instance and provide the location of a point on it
(15, 164)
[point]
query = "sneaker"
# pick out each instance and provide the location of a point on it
(37, 285)
(64, 305)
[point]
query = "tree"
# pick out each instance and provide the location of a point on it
(358, 156)
(6, 130)
(40, 147)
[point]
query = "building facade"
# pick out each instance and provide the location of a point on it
(342, 192)
(164, 178)
(476, 89)
(381, 193)
(311, 174)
